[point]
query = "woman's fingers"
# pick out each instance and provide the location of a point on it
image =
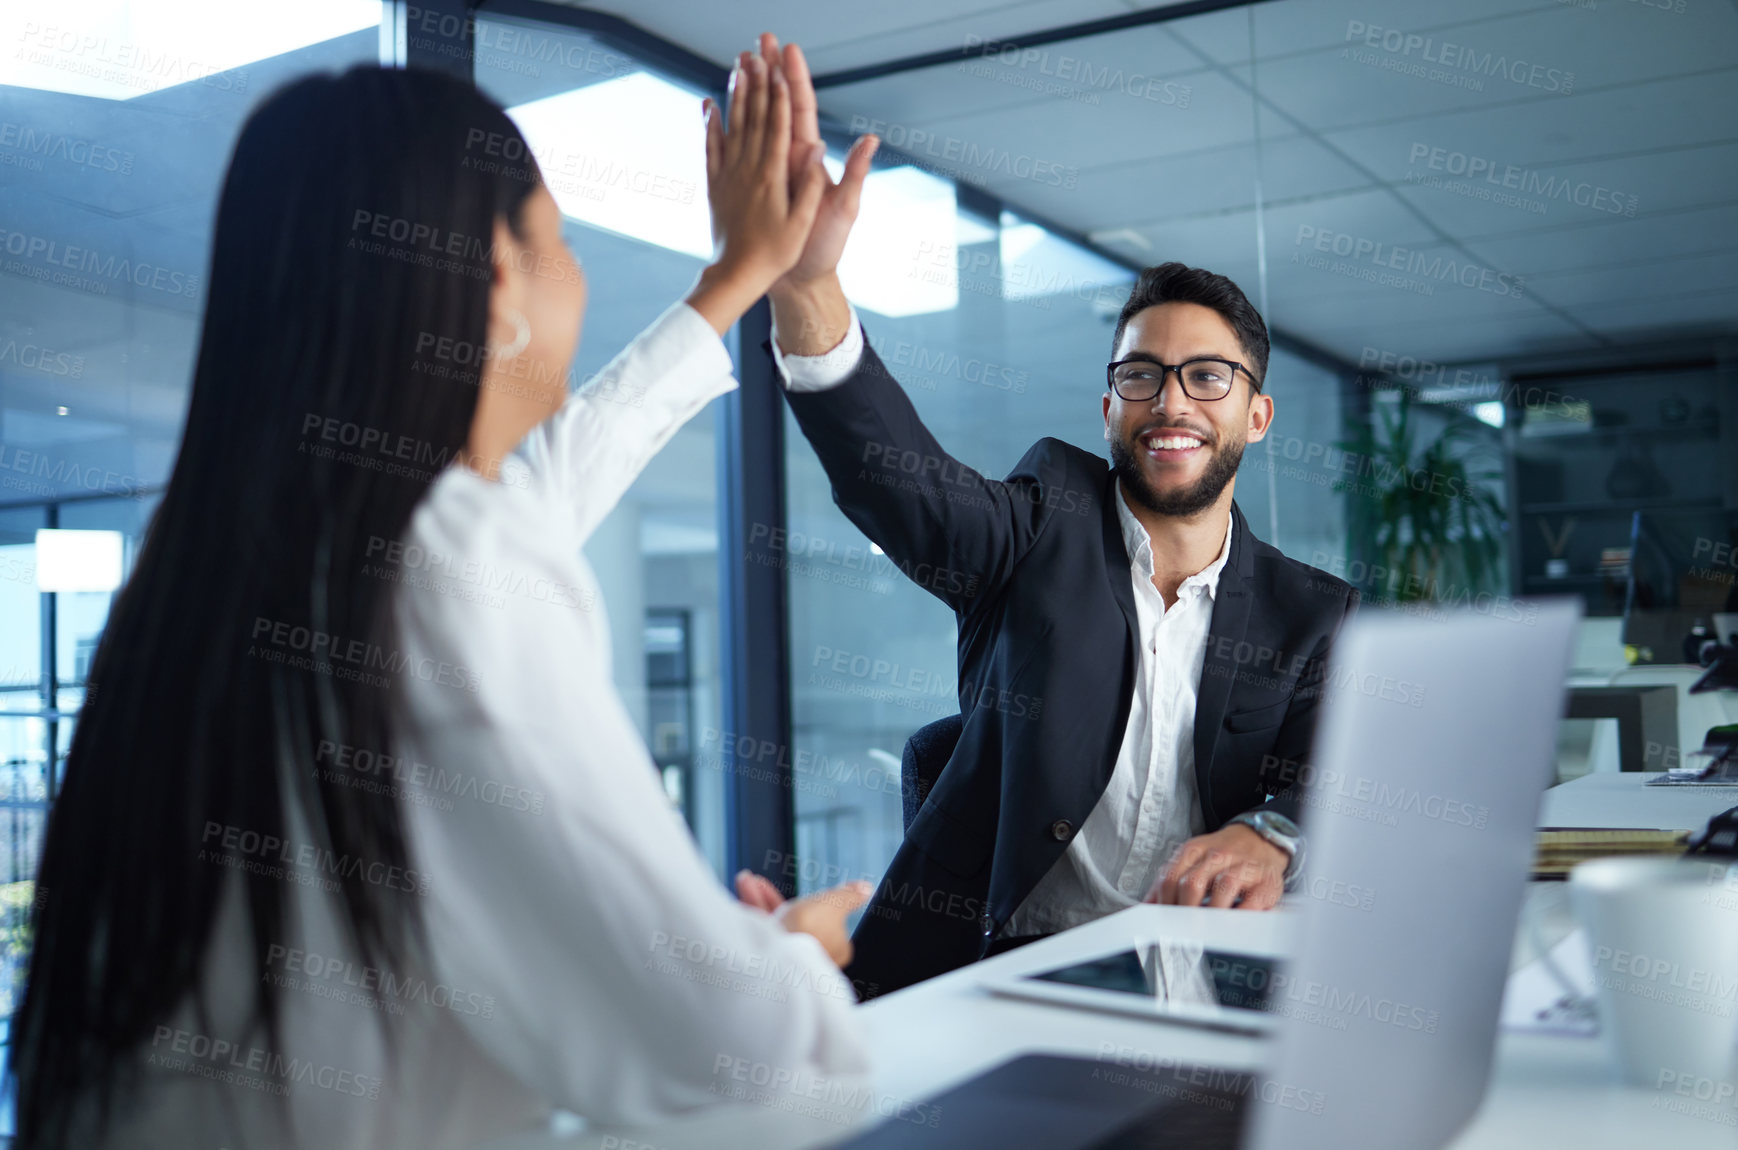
(736, 110)
(777, 144)
(754, 122)
(714, 140)
(805, 113)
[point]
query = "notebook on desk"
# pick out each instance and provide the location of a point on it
(1389, 1020)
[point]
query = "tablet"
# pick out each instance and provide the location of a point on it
(1174, 980)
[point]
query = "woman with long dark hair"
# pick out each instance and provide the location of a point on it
(358, 846)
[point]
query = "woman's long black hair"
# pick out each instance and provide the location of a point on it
(349, 290)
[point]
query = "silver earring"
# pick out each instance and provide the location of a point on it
(521, 334)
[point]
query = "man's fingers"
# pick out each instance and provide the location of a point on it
(1264, 895)
(811, 185)
(856, 171)
(1181, 861)
(1226, 884)
(805, 112)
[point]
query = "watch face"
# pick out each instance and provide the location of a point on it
(1280, 823)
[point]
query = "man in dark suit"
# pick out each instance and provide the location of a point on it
(1137, 670)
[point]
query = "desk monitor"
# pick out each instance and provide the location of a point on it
(1682, 571)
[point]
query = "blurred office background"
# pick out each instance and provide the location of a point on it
(1495, 242)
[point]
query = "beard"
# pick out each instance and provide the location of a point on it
(1185, 502)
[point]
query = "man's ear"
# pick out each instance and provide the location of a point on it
(1107, 415)
(1260, 417)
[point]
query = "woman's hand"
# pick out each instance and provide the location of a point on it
(820, 915)
(763, 198)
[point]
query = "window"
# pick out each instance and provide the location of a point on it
(116, 120)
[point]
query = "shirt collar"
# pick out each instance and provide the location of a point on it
(1140, 548)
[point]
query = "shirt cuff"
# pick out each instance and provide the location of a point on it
(829, 369)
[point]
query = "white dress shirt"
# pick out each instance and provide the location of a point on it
(582, 953)
(1150, 806)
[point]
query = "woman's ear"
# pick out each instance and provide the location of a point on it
(506, 290)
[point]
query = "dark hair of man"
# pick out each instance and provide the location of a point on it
(1179, 283)
(355, 223)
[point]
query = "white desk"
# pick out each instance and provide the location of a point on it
(929, 1037)
(1619, 799)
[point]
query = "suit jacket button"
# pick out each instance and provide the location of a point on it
(985, 921)
(1061, 830)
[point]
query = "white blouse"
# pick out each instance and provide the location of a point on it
(583, 954)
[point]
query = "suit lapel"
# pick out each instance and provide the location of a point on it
(1231, 606)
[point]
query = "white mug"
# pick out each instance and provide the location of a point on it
(1663, 937)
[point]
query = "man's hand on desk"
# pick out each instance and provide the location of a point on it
(1233, 866)
(821, 915)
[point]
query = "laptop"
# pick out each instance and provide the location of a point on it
(1436, 740)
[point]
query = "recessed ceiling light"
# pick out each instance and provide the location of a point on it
(60, 411)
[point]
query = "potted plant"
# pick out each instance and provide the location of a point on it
(1426, 515)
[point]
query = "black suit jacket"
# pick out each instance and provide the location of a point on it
(1035, 569)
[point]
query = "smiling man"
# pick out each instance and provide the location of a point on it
(1139, 674)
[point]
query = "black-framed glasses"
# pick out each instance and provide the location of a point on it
(1138, 379)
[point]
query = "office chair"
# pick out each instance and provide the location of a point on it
(926, 753)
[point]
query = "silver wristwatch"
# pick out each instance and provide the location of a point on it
(1281, 832)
